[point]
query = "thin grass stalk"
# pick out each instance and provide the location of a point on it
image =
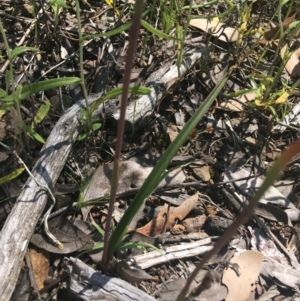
(11, 79)
(81, 41)
(133, 37)
(276, 56)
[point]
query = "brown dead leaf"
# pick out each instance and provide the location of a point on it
(177, 229)
(40, 264)
(219, 30)
(172, 131)
(240, 287)
(194, 224)
(273, 34)
(132, 175)
(293, 64)
(158, 223)
(232, 105)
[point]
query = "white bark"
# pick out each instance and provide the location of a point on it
(88, 284)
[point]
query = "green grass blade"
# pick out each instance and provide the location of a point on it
(156, 32)
(20, 50)
(33, 133)
(154, 178)
(108, 33)
(42, 112)
(98, 228)
(98, 246)
(41, 86)
(48, 84)
(139, 90)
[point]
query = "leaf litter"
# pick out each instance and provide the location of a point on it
(184, 232)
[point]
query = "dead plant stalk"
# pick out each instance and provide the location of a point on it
(133, 36)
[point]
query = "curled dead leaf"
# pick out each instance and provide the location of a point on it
(293, 64)
(167, 216)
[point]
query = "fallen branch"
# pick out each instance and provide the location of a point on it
(21, 223)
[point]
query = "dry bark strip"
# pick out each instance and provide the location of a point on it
(20, 224)
(87, 284)
(159, 81)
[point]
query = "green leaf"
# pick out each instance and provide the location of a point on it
(14, 53)
(2, 93)
(11, 176)
(140, 90)
(154, 177)
(83, 136)
(33, 133)
(294, 24)
(239, 93)
(48, 84)
(61, 3)
(17, 94)
(156, 32)
(98, 246)
(7, 78)
(7, 106)
(42, 112)
(100, 230)
(138, 245)
(96, 126)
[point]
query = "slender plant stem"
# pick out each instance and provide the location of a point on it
(134, 33)
(11, 79)
(81, 41)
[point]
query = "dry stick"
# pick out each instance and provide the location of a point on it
(19, 226)
(134, 33)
